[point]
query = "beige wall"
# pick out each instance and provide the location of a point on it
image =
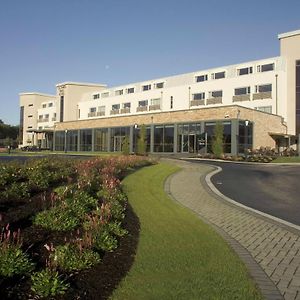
(290, 49)
(264, 123)
(72, 96)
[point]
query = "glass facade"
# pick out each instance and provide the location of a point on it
(101, 139)
(85, 140)
(298, 97)
(193, 137)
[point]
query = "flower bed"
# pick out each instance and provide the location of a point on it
(62, 231)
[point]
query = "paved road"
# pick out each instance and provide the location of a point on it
(273, 189)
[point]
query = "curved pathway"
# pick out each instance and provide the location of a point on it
(270, 250)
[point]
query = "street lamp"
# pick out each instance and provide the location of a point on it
(66, 131)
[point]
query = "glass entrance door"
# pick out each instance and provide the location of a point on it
(188, 143)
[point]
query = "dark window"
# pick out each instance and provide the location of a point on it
(93, 109)
(264, 88)
(61, 117)
(267, 67)
(30, 105)
(21, 124)
(159, 85)
(199, 96)
(245, 136)
(171, 102)
(60, 140)
(127, 105)
(115, 106)
(72, 140)
(86, 140)
(219, 75)
(143, 103)
(130, 90)
(164, 138)
(100, 137)
(216, 94)
(96, 96)
(245, 71)
(146, 87)
(242, 91)
(298, 97)
(201, 78)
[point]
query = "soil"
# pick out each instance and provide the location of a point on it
(95, 283)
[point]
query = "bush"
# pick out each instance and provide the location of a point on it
(217, 143)
(70, 257)
(126, 146)
(48, 283)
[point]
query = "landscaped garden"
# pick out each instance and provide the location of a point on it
(63, 228)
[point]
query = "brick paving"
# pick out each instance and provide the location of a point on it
(274, 247)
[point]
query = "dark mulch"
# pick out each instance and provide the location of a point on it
(95, 283)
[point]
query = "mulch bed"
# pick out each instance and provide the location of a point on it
(95, 283)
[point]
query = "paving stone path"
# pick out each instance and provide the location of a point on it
(273, 246)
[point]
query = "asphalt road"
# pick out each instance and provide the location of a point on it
(273, 189)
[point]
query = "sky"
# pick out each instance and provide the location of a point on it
(116, 42)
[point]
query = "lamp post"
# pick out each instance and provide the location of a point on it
(66, 131)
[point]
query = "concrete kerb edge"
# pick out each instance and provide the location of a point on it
(266, 286)
(227, 199)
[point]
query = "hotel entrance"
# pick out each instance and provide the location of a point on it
(188, 143)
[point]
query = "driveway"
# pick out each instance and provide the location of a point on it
(270, 188)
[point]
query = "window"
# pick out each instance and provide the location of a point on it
(146, 87)
(40, 127)
(29, 127)
(171, 102)
(263, 88)
(127, 105)
(265, 68)
(30, 116)
(242, 91)
(40, 117)
(50, 104)
(118, 92)
(215, 94)
(30, 104)
(96, 96)
(245, 71)
(218, 75)
(93, 109)
(105, 95)
(143, 103)
(267, 109)
(130, 90)
(159, 85)
(201, 78)
(199, 96)
(62, 101)
(44, 105)
(155, 101)
(47, 116)
(101, 108)
(115, 107)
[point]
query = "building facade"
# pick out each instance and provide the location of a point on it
(258, 103)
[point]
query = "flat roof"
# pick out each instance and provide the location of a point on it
(36, 93)
(288, 34)
(81, 83)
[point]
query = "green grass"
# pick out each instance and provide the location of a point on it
(178, 256)
(292, 159)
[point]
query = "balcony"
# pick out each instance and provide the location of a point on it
(125, 110)
(262, 95)
(154, 107)
(100, 113)
(114, 112)
(238, 98)
(214, 100)
(43, 120)
(92, 114)
(142, 108)
(53, 119)
(197, 102)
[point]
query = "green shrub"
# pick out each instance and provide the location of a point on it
(126, 146)
(13, 261)
(104, 240)
(16, 191)
(142, 142)
(116, 228)
(48, 283)
(69, 257)
(217, 142)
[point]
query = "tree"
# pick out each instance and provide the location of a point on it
(141, 143)
(125, 145)
(217, 143)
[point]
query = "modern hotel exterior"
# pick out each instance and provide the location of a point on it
(258, 103)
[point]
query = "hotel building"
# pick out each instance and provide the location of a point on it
(258, 103)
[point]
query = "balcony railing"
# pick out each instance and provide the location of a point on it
(142, 108)
(125, 110)
(154, 107)
(262, 95)
(100, 113)
(238, 98)
(197, 102)
(92, 114)
(43, 120)
(114, 112)
(214, 100)
(53, 119)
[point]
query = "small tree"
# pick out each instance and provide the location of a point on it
(125, 145)
(141, 143)
(217, 143)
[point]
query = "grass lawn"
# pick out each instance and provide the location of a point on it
(292, 159)
(178, 256)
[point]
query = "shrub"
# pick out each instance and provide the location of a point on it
(141, 143)
(104, 240)
(70, 257)
(126, 146)
(217, 143)
(48, 283)
(16, 191)
(13, 261)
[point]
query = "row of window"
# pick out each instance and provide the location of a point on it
(130, 90)
(46, 118)
(50, 104)
(240, 72)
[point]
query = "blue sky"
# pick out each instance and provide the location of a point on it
(116, 42)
